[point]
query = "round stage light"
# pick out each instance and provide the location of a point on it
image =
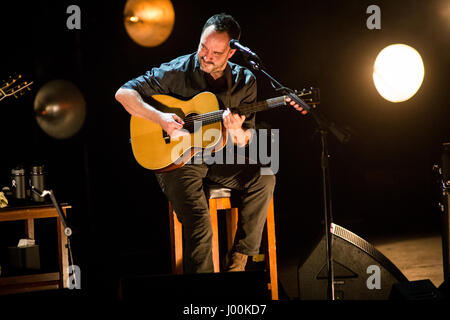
(60, 109)
(398, 72)
(149, 22)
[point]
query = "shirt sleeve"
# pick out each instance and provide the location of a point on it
(156, 81)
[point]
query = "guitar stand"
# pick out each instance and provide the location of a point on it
(324, 127)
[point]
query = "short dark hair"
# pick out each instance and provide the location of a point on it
(223, 22)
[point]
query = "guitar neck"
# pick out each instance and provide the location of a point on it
(261, 106)
(217, 116)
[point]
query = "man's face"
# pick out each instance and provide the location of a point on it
(214, 51)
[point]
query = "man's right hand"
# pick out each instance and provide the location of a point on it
(136, 106)
(172, 124)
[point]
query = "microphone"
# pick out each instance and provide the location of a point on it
(249, 53)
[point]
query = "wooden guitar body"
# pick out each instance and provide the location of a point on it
(156, 151)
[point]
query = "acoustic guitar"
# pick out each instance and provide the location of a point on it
(154, 149)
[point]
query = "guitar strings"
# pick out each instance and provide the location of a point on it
(216, 116)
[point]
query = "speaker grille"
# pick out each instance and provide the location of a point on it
(359, 242)
(352, 257)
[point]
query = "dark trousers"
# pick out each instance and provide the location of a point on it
(184, 189)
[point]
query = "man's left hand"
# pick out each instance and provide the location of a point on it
(232, 121)
(233, 124)
(296, 106)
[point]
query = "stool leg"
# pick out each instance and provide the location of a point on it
(231, 218)
(29, 228)
(215, 237)
(176, 241)
(272, 252)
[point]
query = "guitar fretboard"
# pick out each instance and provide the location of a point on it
(199, 120)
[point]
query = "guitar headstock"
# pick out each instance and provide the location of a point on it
(310, 95)
(14, 86)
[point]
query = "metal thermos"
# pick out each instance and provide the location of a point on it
(18, 182)
(37, 181)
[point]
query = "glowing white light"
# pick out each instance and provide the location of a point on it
(398, 72)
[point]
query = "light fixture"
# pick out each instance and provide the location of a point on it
(60, 109)
(149, 22)
(398, 72)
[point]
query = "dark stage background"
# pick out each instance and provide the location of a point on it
(382, 180)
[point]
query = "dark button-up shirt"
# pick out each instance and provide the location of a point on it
(183, 78)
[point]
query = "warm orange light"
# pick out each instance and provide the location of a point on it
(133, 19)
(156, 19)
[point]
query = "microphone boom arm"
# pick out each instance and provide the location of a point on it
(323, 123)
(43, 194)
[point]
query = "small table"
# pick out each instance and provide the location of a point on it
(42, 281)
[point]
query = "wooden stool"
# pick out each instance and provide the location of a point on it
(220, 199)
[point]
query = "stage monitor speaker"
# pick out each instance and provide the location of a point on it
(195, 287)
(415, 290)
(444, 288)
(361, 272)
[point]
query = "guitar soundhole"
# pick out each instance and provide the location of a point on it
(190, 115)
(190, 124)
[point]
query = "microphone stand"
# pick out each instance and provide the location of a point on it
(67, 229)
(324, 127)
(42, 194)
